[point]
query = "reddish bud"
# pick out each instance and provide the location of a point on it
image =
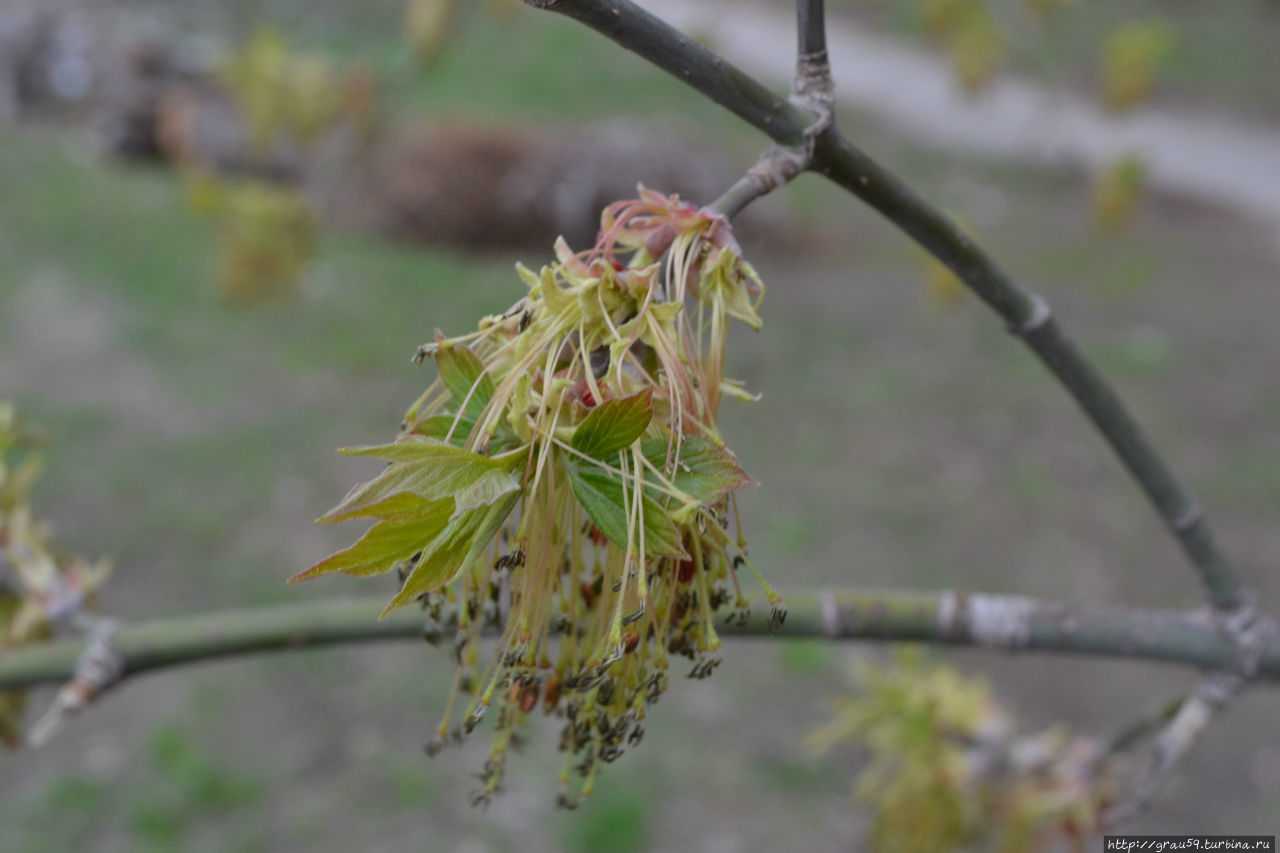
(551, 695)
(528, 698)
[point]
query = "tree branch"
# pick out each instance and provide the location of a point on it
(1214, 692)
(1026, 314)
(997, 622)
(745, 190)
(811, 29)
(776, 167)
(813, 88)
(160, 643)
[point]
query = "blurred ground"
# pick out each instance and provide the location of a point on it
(899, 443)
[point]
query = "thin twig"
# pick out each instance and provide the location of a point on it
(1137, 730)
(811, 29)
(996, 622)
(1210, 697)
(776, 167)
(745, 190)
(813, 89)
(97, 669)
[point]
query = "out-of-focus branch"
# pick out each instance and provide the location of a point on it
(1200, 708)
(176, 641)
(997, 622)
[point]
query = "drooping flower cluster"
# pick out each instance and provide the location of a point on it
(591, 404)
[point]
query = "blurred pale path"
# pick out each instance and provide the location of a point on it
(1212, 157)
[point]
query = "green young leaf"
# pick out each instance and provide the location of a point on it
(491, 486)
(442, 426)
(704, 471)
(410, 448)
(600, 493)
(463, 374)
(424, 467)
(614, 425)
(386, 543)
(458, 546)
(402, 506)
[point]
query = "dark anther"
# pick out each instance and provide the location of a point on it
(599, 361)
(777, 616)
(433, 633)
